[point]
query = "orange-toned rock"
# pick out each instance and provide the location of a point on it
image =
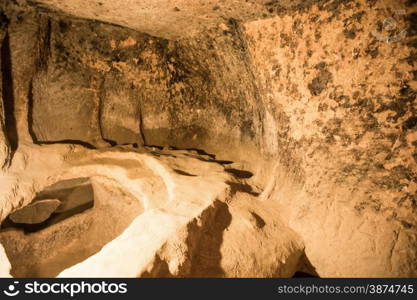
(35, 213)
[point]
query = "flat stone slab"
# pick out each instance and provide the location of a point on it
(72, 193)
(35, 213)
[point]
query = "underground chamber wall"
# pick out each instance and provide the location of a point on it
(90, 215)
(269, 84)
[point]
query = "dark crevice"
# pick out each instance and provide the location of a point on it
(224, 162)
(306, 269)
(44, 34)
(260, 223)
(304, 275)
(241, 39)
(45, 45)
(74, 142)
(181, 172)
(242, 188)
(141, 124)
(8, 95)
(160, 269)
(112, 143)
(101, 97)
(154, 146)
(30, 113)
(198, 151)
(240, 173)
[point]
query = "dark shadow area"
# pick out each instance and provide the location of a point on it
(241, 174)
(53, 219)
(8, 94)
(102, 95)
(204, 242)
(224, 162)
(160, 270)
(73, 233)
(210, 160)
(154, 146)
(70, 142)
(242, 187)
(260, 223)
(110, 142)
(141, 125)
(30, 114)
(76, 196)
(198, 151)
(202, 152)
(306, 269)
(184, 173)
(211, 157)
(304, 275)
(133, 145)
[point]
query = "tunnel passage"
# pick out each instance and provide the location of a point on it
(89, 215)
(306, 97)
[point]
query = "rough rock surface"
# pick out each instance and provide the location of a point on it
(131, 87)
(341, 119)
(314, 102)
(4, 142)
(35, 213)
(188, 201)
(163, 18)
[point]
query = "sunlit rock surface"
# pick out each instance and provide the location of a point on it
(156, 213)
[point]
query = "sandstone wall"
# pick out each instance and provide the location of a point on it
(213, 97)
(4, 142)
(324, 92)
(91, 81)
(98, 84)
(340, 118)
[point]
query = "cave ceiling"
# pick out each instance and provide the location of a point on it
(171, 19)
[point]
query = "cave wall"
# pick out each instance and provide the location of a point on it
(4, 143)
(316, 93)
(92, 81)
(98, 84)
(341, 120)
(21, 52)
(213, 102)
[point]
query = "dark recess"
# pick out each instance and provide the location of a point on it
(304, 275)
(30, 114)
(8, 95)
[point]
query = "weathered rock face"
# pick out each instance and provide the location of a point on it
(4, 142)
(162, 18)
(313, 101)
(342, 103)
(133, 88)
(170, 209)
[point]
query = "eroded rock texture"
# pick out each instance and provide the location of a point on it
(4, 142)
(35, 213)
(163, 18)
(342, 103)
(309, 107)
(102, 85)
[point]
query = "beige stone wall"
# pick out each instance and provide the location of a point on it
(4, 144)
(97, 84)
(317, 91)
(341, 121)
